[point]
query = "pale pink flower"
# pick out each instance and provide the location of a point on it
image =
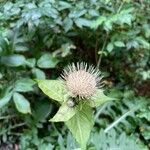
(81, 80)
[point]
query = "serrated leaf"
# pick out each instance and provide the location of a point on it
(98, 99)
(54, 89)
(22, 104)
(81, 125)
(64, 113)
(114, 141)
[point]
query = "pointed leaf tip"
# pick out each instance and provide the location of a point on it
(64, 114)
(54, 89)
(99, 98)
(81, 125)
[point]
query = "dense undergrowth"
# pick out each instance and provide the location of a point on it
(38, 38)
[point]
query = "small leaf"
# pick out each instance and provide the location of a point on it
(38, 73)
(47, 61)
(64, 113)
(81, 125)
(21, 48)
(93, 12)
(68, 23)
(110, 47)
(31, 62)
(98, 99)
(80, 22)
(21, 103)
(98, 22)
(5, 99)
(119, 44)
(63, 5)
(54, 89)
(24, 85)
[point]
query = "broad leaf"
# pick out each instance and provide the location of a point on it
(81, 125)
(55, 89)
(64, 113)
(98, 99)
(21, 103)
(13, 60)
(24, 85)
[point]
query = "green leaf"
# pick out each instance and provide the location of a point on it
(114, 141)
(68, 23)
(13, 60)
(110, 47)
(98, 99)
(1, 75)
(21, 103)
(21, 48)
(146, 132)
(5, 99)
(98, 22)
(47, 61)
(81, 125)
(54, 89)
(63, 5)
(64, 113)
(119, 44)
(41, 111)
(24, 85)
(38, 73)
(145, 113)
(31, 62)
(93, 12)
(80, 22)
(66, 49)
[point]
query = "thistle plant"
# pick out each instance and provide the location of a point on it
(78, 90)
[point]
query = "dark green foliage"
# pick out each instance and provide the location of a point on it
(38, 38)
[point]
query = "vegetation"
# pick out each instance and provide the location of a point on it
(38, 38)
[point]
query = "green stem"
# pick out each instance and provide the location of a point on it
(100, 57)
(120, 7)
(6, 117)
(13, 127)
(117, 121)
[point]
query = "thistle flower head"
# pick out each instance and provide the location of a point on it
(81, 80)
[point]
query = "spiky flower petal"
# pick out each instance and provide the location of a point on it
(81, 80)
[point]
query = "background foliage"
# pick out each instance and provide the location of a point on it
(40, 37)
